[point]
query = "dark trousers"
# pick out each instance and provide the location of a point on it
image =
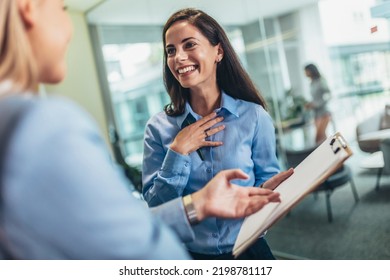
(257, 251)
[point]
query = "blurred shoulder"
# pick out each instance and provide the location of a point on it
(55, 118)
(58, 112)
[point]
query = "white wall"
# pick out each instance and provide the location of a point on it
(81, 83)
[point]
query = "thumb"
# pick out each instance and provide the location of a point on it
(232, 174)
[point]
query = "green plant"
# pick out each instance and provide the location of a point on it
(134, 175)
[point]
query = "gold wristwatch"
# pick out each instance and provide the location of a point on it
(190, 210)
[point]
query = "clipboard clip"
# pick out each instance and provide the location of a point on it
(337, 143)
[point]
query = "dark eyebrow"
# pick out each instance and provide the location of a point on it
(189, 38)
(183, 41)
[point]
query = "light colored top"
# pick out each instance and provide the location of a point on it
(320, 94)
(249, 144)
(65, 199)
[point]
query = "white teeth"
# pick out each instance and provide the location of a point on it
(186, 69)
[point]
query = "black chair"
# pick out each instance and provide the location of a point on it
(385, 148)
(342, 176)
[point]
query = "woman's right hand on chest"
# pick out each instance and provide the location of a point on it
(195, 136)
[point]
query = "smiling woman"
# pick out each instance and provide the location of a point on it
(215, 110)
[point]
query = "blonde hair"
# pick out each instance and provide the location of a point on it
(17, 63)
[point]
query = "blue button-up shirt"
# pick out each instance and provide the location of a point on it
(248, 143)
(63, 198)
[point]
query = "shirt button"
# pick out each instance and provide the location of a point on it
(208, 170)
(215, 235)
(186, 164)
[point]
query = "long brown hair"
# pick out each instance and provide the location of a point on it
(17, 63)
(231, 76)
(313, 70)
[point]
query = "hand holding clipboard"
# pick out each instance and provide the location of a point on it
(308, 175)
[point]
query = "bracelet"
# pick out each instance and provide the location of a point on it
(190, 210)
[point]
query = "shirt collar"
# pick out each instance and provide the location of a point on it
(228, 103)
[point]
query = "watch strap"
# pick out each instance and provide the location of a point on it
(190, 210)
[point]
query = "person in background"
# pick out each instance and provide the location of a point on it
(61, 195)
(216, 121)
(320, 95)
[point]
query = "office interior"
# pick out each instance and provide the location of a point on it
(115, 73)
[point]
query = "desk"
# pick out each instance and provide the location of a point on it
(376, 135)
(298, 137)
(293, 123)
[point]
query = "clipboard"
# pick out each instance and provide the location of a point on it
(307, 176)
